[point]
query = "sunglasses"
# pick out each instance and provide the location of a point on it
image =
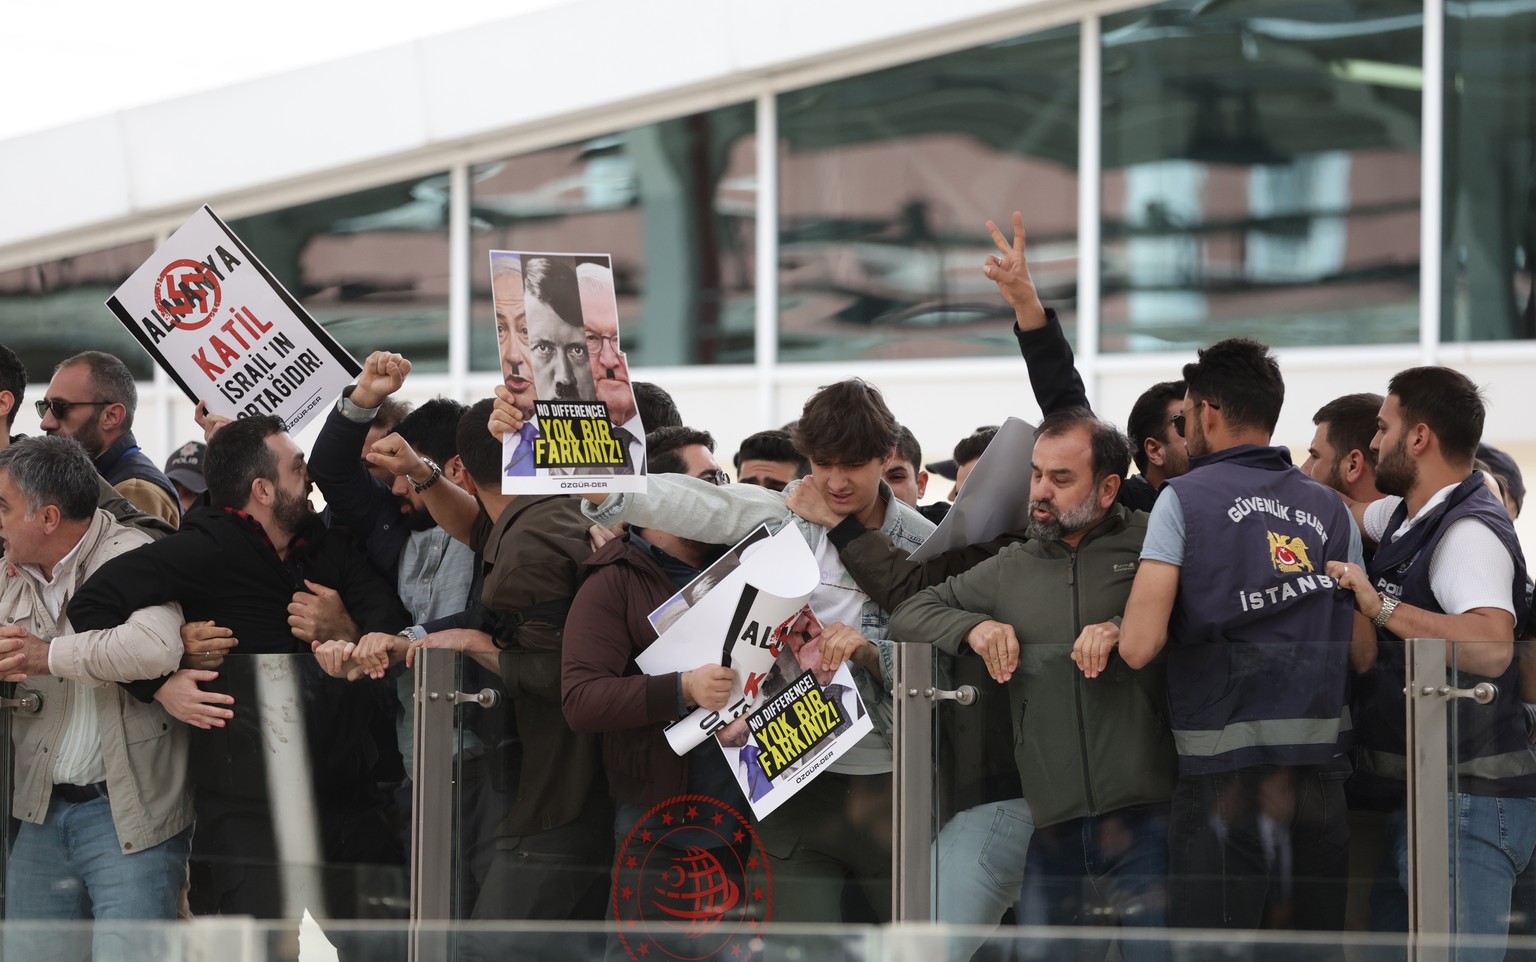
(1178, 419)
(61, 408)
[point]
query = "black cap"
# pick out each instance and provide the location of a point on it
(1505, 467)
(186, 466)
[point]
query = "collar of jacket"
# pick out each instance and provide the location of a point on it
(115, 452)
(1248, 455)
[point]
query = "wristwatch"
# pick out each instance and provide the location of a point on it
(437, 472)
(1388, 605)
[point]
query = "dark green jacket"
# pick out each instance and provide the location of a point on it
(1083, 746)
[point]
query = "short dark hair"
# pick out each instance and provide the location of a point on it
(1149, 418)
(553, 281)
(846, 423)
(969, 448)
(432, 428)
(110, 381)
(1111, 450)
(478, 448)
(655, 406)
(237, 456)
(1351, 421)
(663, 448)
(1242, 379)
(391, 412)
(1506, 471)
(771, 445)
(53, 470)
(907, 448)
(13, 378)
(1448, 402)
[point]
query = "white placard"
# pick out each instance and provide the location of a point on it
(227, 332)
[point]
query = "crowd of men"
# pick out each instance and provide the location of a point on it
(1191, 678)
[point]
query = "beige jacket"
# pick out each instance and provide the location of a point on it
(144, 749)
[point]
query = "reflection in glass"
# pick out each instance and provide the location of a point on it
(55, 310)
(1261, 173)
(886, 181)
(1490, 171)
(673, 202)
(372, 266)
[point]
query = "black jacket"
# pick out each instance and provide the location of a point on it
(356, 499)
(219, 567)
(1057, 385)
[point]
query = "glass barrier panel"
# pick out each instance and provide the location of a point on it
(1491, 802)
(290, 810)
(1208, 789)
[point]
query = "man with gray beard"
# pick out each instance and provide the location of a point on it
(1096, 755)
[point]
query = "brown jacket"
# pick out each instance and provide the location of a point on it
(533, 555)
(604, 691)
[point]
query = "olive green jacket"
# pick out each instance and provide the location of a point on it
(1083, 746)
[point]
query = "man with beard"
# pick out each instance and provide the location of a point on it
(1232, 575)
(1096, 772)
(610, 369)
(1158, 451)
(1340, 454)
(92, 398)
(1448, 565)
(239, 561)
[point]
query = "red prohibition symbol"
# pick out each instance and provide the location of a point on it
(187, 294)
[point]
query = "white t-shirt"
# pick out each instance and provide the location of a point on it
(1470, 569)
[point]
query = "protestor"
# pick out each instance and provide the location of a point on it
(656, 407)
(13, 390)
(92, 398)
(769, 460)
(100, 778)
(239, 561)
(968, 450)
(1231, 581)
(907, 479)
(1447, 565)
(683, 450)
(554, 848)
(604, 692)
(838, 826)
(1340, 454)
(1158, 451)
(185, 470)
(1097, 776)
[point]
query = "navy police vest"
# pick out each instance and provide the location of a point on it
(1492, 755)
(1258, 653)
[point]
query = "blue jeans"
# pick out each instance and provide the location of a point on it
(72, 868)
(981, 867)
(1104, 870)
(1491, 842)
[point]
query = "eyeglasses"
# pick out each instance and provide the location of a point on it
(715, 477)
(1178, 419)
(595, 342)
(61, 408)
